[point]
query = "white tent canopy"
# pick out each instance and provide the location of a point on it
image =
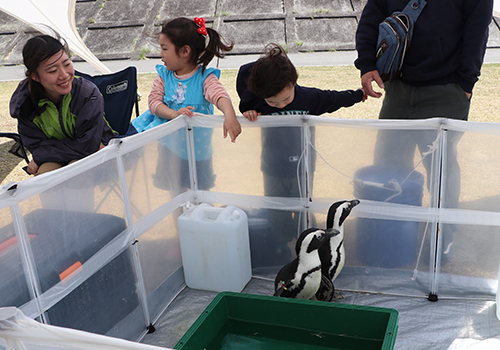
(496, 8)
(58, 15)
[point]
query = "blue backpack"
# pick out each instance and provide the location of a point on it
(394, 37)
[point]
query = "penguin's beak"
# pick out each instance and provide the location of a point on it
(331, 232)
(354, 202)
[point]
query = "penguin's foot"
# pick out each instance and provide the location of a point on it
(337, 296)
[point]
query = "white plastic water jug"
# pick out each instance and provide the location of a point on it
(215, 247)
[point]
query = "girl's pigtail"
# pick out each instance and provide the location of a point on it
(205, 42)
(216, 46)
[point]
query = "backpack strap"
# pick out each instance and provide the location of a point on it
(394, 38)
(414, 8)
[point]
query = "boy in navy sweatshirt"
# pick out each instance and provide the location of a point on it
(269, 87)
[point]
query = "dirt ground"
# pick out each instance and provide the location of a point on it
(484, 104)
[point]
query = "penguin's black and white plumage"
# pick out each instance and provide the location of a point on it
(332, 253)
(301, 277)
(326, 291)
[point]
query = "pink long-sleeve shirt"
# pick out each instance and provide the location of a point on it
(212, 89)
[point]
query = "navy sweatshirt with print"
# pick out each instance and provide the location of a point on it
(282, 146)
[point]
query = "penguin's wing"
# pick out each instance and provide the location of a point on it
(326, 290)
(279, 291)
(285, 275)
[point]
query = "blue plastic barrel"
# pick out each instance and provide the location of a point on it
(262, 241)
(387, 243)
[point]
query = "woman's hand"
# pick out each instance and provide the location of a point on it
(32, 167)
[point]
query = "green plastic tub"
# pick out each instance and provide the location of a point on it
(245, 321)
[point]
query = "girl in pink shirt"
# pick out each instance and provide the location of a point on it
(185, 85)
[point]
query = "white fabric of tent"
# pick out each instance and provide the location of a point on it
(58, 15)
(19, 332)
(118, 183)
(496, 8)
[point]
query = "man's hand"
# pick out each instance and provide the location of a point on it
(366, 83)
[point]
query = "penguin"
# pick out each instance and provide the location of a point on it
(332, 253)
(301, 277)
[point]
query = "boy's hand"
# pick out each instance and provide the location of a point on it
(251, 115)
(365, 95)
(232, 127)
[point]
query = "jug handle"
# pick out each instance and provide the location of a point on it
(230, 212)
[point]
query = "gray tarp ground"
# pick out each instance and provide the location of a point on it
(447, 324)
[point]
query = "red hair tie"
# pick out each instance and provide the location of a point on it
(200, 21)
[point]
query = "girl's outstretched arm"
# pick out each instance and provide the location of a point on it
(231, 124)
(216, 94)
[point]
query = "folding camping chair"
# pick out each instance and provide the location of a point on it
(120, 96)
(119, 91)
(17, 148)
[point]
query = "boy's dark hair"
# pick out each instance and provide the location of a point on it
(35, 51)
(183, 31)
(271, 73)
